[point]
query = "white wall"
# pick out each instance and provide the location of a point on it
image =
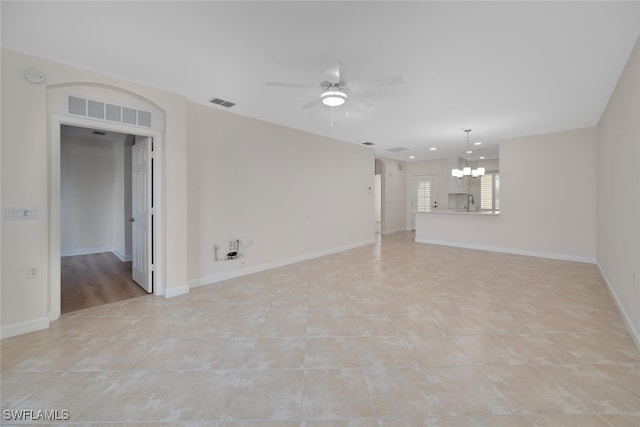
(548, 201)
(618, 190)
(91, 195)
(293, 194)
(395, 196)
(25, 141)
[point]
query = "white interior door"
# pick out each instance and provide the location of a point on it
(424, 195)
(141, 193)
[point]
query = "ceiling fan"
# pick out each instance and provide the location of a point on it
(338, 91)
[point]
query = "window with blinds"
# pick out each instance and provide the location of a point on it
(423, 196)
(490, 191)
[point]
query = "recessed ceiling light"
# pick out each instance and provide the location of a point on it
(412, 157)
(469, 151)
(477, 143)
(481, 157)
(433, 148)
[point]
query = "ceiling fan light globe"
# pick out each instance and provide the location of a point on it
(333, 98)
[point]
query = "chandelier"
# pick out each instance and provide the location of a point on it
(467, 170)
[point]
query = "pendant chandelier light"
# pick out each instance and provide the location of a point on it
(467, 171)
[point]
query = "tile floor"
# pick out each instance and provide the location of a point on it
(392, 334)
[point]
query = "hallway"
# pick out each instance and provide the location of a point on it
(96, 279)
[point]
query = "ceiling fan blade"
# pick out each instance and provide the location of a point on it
(285, 84)
(314, 102)
(361, 103)
(381, 81)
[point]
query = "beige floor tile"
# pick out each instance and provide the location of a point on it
(592, 348)
(261, 423)
(336, 393)
(234, 327)
(460, 380)
(412, 422)
(418, 325)
(626, 374)
(464, 405)
(622, 420)
(564, 420)
(530, 349)
(366, 422)
(277, 353)
(15, 387)
(110, 357)
(283, 326)
(390, 352)
(488, 421)
(201, 354)
(398, 392)
(372, 325)
(486, 349)
(320, 325)
(164, 397)
(60, 355)
(593, 388)
(459, 324)
(441, 351)
(331, 352)
(392, 334)
(197, 324)
(71, 391)
(268, 394)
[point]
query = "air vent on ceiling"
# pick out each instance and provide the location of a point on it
(367, 143)
(398, 149)
(98, 110)
(222, 102)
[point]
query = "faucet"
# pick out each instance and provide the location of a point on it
(469, 201)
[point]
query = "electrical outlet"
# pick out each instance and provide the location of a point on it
(33, 272)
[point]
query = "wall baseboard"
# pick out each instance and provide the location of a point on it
(635, 335)
(551, 255)
(123, 258)
(86, 251)
(24, 327)
(176, 290)
(219, 277)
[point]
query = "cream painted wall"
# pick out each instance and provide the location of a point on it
(25, 141)
(92, 195)
(618, 190)
(547, 192)
(292, 194)
(547, 196)
(395, 196)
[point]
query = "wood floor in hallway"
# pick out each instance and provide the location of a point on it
(96, 279)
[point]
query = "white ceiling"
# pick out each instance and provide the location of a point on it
(503, 69)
